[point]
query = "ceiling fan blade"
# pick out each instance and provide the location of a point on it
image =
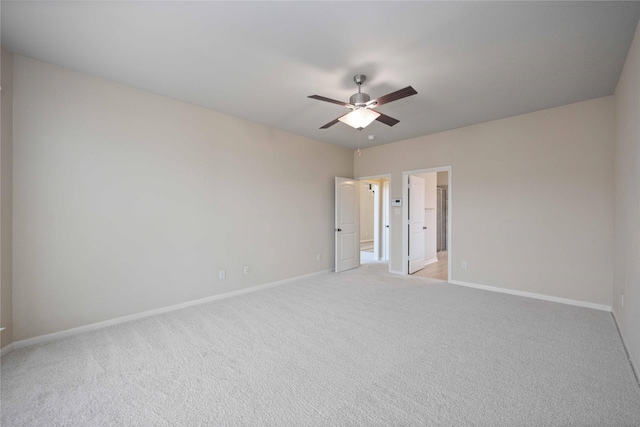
(389, 121)
(393, 96)
(333, 101)
(331, 123)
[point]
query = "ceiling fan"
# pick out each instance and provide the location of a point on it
(362, 106)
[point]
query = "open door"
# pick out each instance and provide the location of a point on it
(347, 228)
(385, 221)
(416, 223)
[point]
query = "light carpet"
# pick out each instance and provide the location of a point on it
(361, 347)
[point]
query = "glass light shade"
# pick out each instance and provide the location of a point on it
(360, 118)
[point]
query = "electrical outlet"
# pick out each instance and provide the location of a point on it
(222, 274)
(318, 257)
(246, 269)
(622, 300)
(464, 265)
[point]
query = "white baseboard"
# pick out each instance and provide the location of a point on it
(366, 241)
(396, 272)
(431, 261)
(626, 348)
(124, 319)
(6, 349)
(534, 295)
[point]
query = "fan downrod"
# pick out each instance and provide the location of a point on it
(359, 99)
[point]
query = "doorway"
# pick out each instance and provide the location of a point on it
(374, 219)
(427, 223)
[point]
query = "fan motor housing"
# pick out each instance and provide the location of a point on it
(359, 99)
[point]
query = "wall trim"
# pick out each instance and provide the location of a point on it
(124, 319)
(634, 368)
(6, 349)
(543, 297)
(131, 317)
(431, 261)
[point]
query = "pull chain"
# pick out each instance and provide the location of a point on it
(359, 139)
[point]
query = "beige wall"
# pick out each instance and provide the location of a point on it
(531, 198)
(126, 201)
(627, 203)
(6, 206)
(443, 179)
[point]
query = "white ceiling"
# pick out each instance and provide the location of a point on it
(469, 61)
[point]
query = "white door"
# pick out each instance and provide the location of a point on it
(416, 224)
(385, 220)
(347, 228)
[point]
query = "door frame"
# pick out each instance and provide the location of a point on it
(405, 215)
(388, 177)
(377, 217)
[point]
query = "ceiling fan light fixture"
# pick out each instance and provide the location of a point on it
(359, 118)
(362, 105)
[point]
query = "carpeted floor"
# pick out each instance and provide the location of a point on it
(361, 347)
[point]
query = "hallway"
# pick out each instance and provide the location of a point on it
(437, 270)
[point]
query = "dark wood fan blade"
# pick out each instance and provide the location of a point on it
(333, 101)
(389, 121)
(331, 123)
(393, 96)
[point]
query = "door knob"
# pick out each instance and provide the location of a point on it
(424, 228)
(387, 226)
(338, 229)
